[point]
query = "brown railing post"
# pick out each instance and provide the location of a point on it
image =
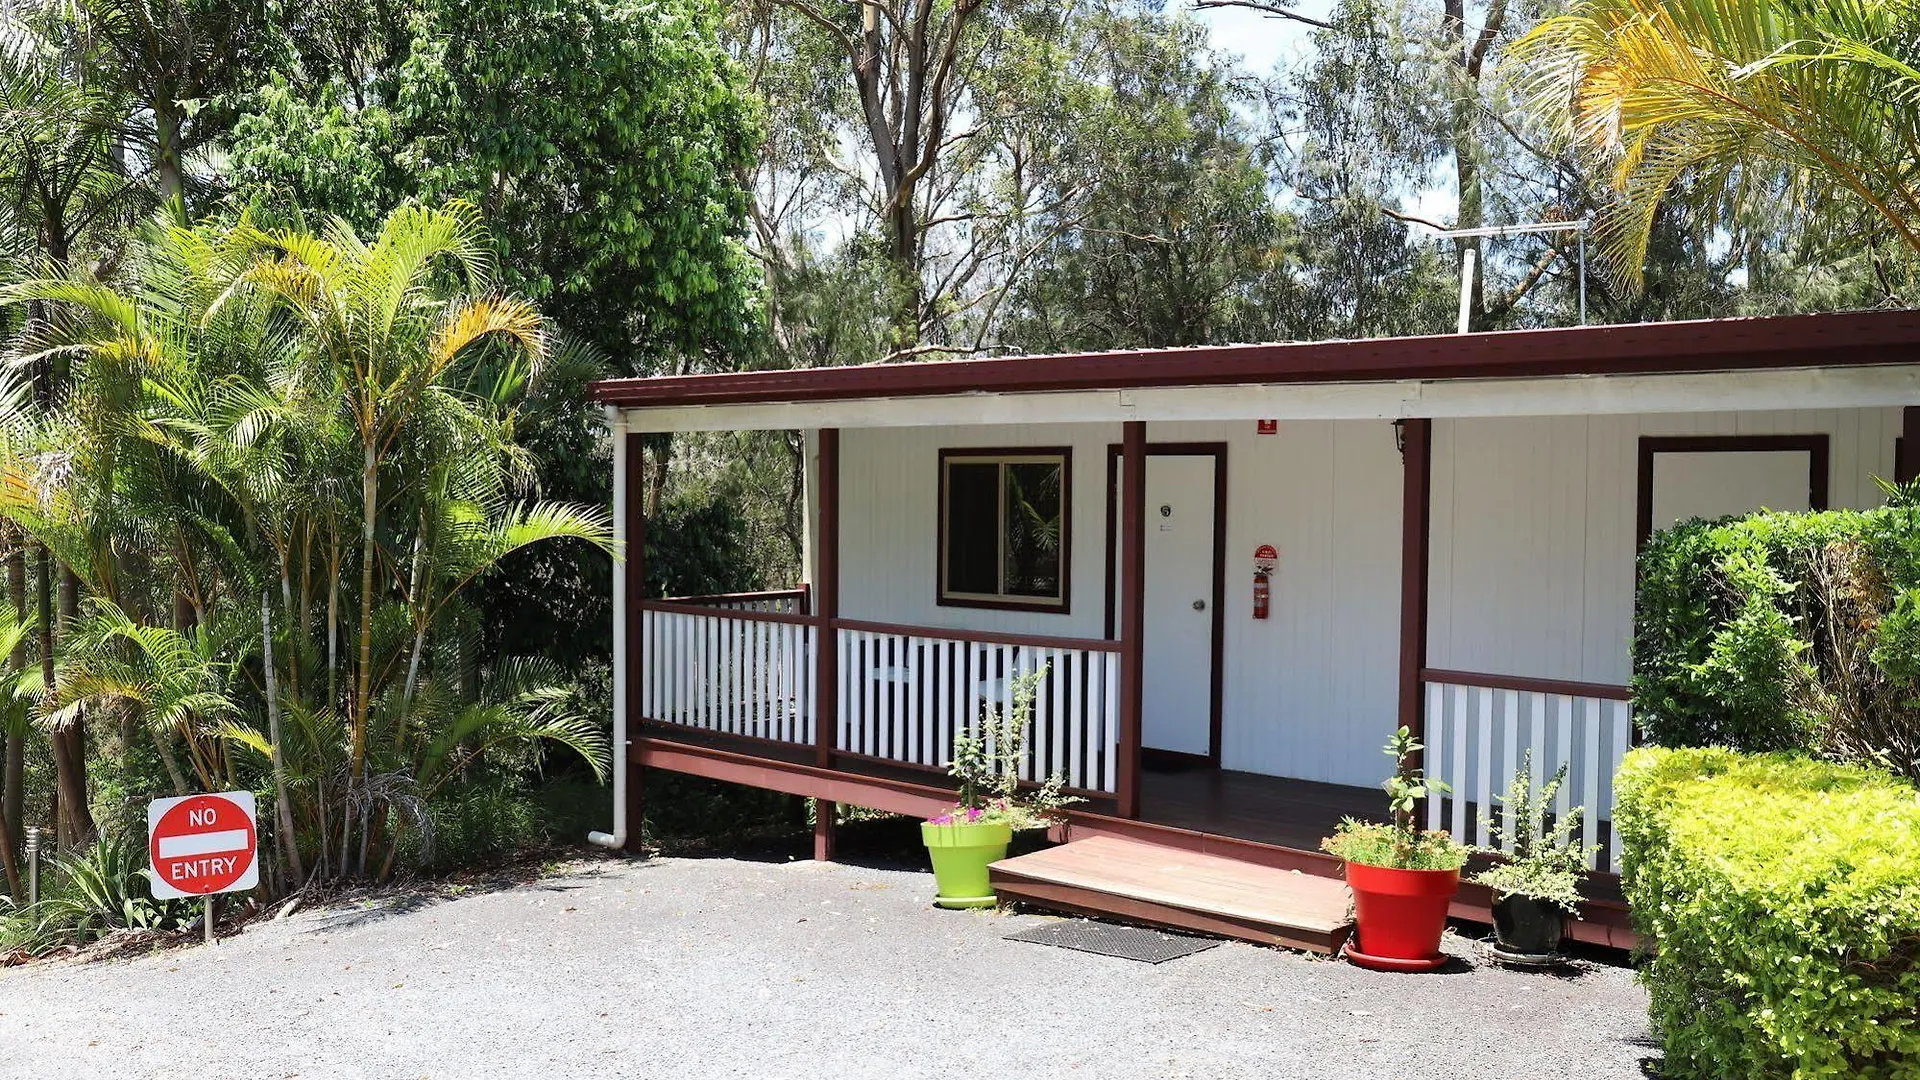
(823, 815)
(1133, 578)
(826, 599)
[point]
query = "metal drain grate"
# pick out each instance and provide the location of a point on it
(1112, 939)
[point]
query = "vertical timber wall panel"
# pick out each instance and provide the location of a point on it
(889, 548)
(1309, 692)
(1534, 529)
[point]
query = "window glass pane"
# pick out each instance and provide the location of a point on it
(1033, 530)
(973, 548)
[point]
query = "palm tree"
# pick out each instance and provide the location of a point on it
(221, 408)
(380, 332)
(178, 684)
(1769, 107)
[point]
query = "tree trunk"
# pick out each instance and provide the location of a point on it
(166, 160)
(657, 478)
(70, 743)
(363, 678)
(13, 801)
(180, 786)
(70, 783)
(333, 618)
(418, 603)
(903, 235)
(1466, 154)
(282, 806)
(12, 868)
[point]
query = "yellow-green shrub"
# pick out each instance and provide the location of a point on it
(1781, 899)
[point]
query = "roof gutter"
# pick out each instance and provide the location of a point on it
(1852, 339)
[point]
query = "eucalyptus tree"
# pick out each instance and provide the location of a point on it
(1396, 108)
(1150, 216)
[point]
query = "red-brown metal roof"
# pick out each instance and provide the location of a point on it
(1838, 340)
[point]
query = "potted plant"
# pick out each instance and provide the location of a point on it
(1536, 886)
(971, 836)
(1402, 877)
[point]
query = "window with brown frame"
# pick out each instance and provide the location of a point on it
(1003, 528)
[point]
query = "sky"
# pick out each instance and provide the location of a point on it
(1264, 41)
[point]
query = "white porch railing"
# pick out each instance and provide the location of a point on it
(1479, 726)
(728, 671)
(905, 692)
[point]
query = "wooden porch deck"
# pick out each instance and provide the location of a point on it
(1268, 827)
(1250, 806)
(1135, 881)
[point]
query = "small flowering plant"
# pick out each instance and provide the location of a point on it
(986, 762)
(1401, 845)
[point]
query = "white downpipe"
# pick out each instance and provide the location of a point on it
(617, 423)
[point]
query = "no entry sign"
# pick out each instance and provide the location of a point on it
(202, 844)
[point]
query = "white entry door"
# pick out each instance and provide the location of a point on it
(1176, 704)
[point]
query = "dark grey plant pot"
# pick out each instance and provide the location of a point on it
(1529, 930)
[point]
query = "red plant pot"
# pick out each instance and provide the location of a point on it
(1400, 915)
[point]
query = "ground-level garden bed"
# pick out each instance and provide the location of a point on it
(1780, 899)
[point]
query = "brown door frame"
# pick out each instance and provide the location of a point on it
(1216, 687)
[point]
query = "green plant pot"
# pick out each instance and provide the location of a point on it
(961, 855)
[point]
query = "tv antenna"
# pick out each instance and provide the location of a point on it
(1467, 257)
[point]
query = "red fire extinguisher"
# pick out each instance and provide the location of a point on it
(1264, 558)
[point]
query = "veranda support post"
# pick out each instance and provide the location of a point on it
(1133, 564)
(826, 640)
(635, 512)
(1416, 512)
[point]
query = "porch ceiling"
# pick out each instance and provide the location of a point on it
(1807, 361)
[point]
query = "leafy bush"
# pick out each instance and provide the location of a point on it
(1547, 860)
(1371, 843)
(986, 763)
(1401, 845)
(1785, 632)
(476, 824)
(1781, 899)
(88, 894)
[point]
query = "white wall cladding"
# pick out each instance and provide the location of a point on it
(1533, 529)
(1309, 692)
(889, 514)
(1532, 549)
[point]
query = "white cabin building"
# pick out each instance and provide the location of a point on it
(1239, 568)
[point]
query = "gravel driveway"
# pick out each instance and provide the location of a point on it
(727, 968)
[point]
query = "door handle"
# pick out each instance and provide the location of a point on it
(1199, 605)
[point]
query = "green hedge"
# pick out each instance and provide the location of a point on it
(1726, 614)
(1780, 897)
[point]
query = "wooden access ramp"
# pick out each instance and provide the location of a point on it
(1135, 881)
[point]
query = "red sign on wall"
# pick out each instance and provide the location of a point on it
(1267, 427)
(202, 844)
